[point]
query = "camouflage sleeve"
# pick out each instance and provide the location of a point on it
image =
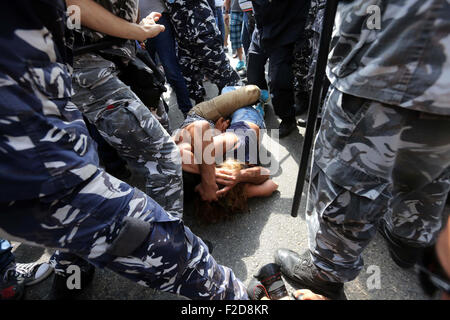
(395, 52)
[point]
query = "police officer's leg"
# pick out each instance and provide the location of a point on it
(397, 158)
(256, 63)
(421, 182)
(190, 68)
(110, 224)
(199, 38)
(340, 224)
(366, 154)
(414, 221)
(417, 218)
(282, 87)
(127, 125)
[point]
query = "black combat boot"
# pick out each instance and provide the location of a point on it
(60, 289)
(286, 127)
(302, 271)
(404, 256)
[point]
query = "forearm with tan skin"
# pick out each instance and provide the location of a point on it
(97, 18)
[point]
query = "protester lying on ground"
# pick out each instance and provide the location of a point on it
(235, 140)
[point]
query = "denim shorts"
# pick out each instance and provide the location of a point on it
(248, 114)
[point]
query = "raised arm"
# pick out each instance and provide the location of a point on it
(97, 18)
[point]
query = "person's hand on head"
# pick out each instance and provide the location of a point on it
(227, 177)
(149, 27)
(207, 193)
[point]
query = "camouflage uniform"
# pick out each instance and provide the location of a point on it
(53, 192)
(383, 148)
(200, 46)
(306, 51)
(124, 121)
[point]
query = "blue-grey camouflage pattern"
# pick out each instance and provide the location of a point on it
(200, 46)
(53, 192)
(404, 63)
(125, 123)
(307, 49)
(373, 161)
(130, 127)
(383, 148)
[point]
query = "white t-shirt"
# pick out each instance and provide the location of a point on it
(219, 3)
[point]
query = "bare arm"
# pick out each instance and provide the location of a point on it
(97, 18)
(208, 187)
(255, 175)
(227, 4)
(264, 189)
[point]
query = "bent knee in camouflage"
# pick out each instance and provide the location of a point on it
(372, 159)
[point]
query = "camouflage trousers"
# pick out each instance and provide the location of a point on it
(200, 47)
(129, 127)
(306, 52)
(374, 161)
(112, 225)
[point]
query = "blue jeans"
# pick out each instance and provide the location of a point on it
(6, 256)
(246, 40)
(164, 44)
(249, 114)
(218, 14)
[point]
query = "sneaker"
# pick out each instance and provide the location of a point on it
(302, 271)
(240, 66)
(60, 290)
(301, 123)
(242, 73)
(33, 273)
(403, 255)
(270, 277)
(286, 127)
(264, 96)
(11, 286)
(256, 290)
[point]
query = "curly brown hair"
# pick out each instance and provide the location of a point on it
(235, 201)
